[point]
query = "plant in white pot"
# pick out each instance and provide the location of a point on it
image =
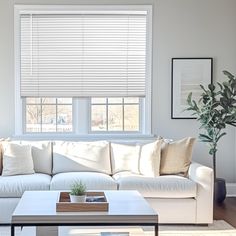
(78, 192)
(215, 110)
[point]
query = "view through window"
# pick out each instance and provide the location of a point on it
(48, 115)
(115, 114)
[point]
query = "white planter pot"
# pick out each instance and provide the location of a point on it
(74, 198)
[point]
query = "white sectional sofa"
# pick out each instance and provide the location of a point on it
(58, 164)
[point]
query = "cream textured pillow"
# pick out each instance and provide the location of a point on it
(176, 157)
(149, 163)
(125, 157)
(17, 160)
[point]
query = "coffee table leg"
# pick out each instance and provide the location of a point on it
(12, 230)
(156, 230)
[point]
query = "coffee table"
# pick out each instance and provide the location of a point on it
(126, 208)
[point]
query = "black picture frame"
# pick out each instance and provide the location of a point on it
(187, 73)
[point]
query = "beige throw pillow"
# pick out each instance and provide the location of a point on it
(149, 163)
(176, 157)
(3, 142)
(17, 160)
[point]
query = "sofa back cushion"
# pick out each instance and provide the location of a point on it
(17, 159)
(125, 157)
(81, 156)
(42, 156)
(176, 157)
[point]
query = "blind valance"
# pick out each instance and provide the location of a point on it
(83, 55)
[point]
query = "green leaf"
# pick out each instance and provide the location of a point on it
(211, 87)
(220, 136)
(228, 74)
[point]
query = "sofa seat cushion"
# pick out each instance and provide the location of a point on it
(93, 181)
(14, 186)
(168, 186)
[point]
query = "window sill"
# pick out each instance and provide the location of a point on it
(87, 137)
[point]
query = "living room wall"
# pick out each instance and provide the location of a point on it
(181, 28)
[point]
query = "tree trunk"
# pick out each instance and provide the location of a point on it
(214, 165)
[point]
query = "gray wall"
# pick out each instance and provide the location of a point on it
(181, 28)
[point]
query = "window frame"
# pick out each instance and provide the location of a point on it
(82, 105)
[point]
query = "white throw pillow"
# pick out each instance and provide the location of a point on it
(81, 156)
(125, 158)
(150, 157)
(17, 160)
(42, 155)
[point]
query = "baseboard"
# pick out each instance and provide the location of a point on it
(231, 189)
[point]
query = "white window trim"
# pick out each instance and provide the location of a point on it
(83, 131)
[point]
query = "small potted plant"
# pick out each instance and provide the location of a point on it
(78, 192)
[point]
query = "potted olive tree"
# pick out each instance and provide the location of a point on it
(215, 110)
(78, 192)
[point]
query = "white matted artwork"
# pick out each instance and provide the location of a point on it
(187, 75)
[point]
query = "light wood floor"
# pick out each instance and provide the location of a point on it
(226, 211)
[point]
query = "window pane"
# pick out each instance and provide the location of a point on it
(33, 118)
(131, 100)
(48, 118)
(131, 117)
(48, 100)
(33, 100)
(115, 121)
(114, 100)
(98, 118)
(64, 118)
(98, 100)
(64, 100)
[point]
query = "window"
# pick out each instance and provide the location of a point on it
(83, 69)
(115, 114)
(48, 115)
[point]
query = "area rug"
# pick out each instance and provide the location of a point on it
(218, 228)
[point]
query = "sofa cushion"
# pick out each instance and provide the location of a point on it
(150, 155)
(124, 157)
(93, 181)
(14, 186)
(17, 160)
(166, 186)
(42, 156)
(81, 156)
(176, 157)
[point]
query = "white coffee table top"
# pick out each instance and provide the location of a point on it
(124, 207)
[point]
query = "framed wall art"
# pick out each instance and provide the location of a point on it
(186, 76)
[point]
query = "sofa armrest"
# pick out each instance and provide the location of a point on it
(204, 178)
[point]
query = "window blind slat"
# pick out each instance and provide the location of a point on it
(83, 55)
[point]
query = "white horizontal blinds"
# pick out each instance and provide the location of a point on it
(83, 55)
